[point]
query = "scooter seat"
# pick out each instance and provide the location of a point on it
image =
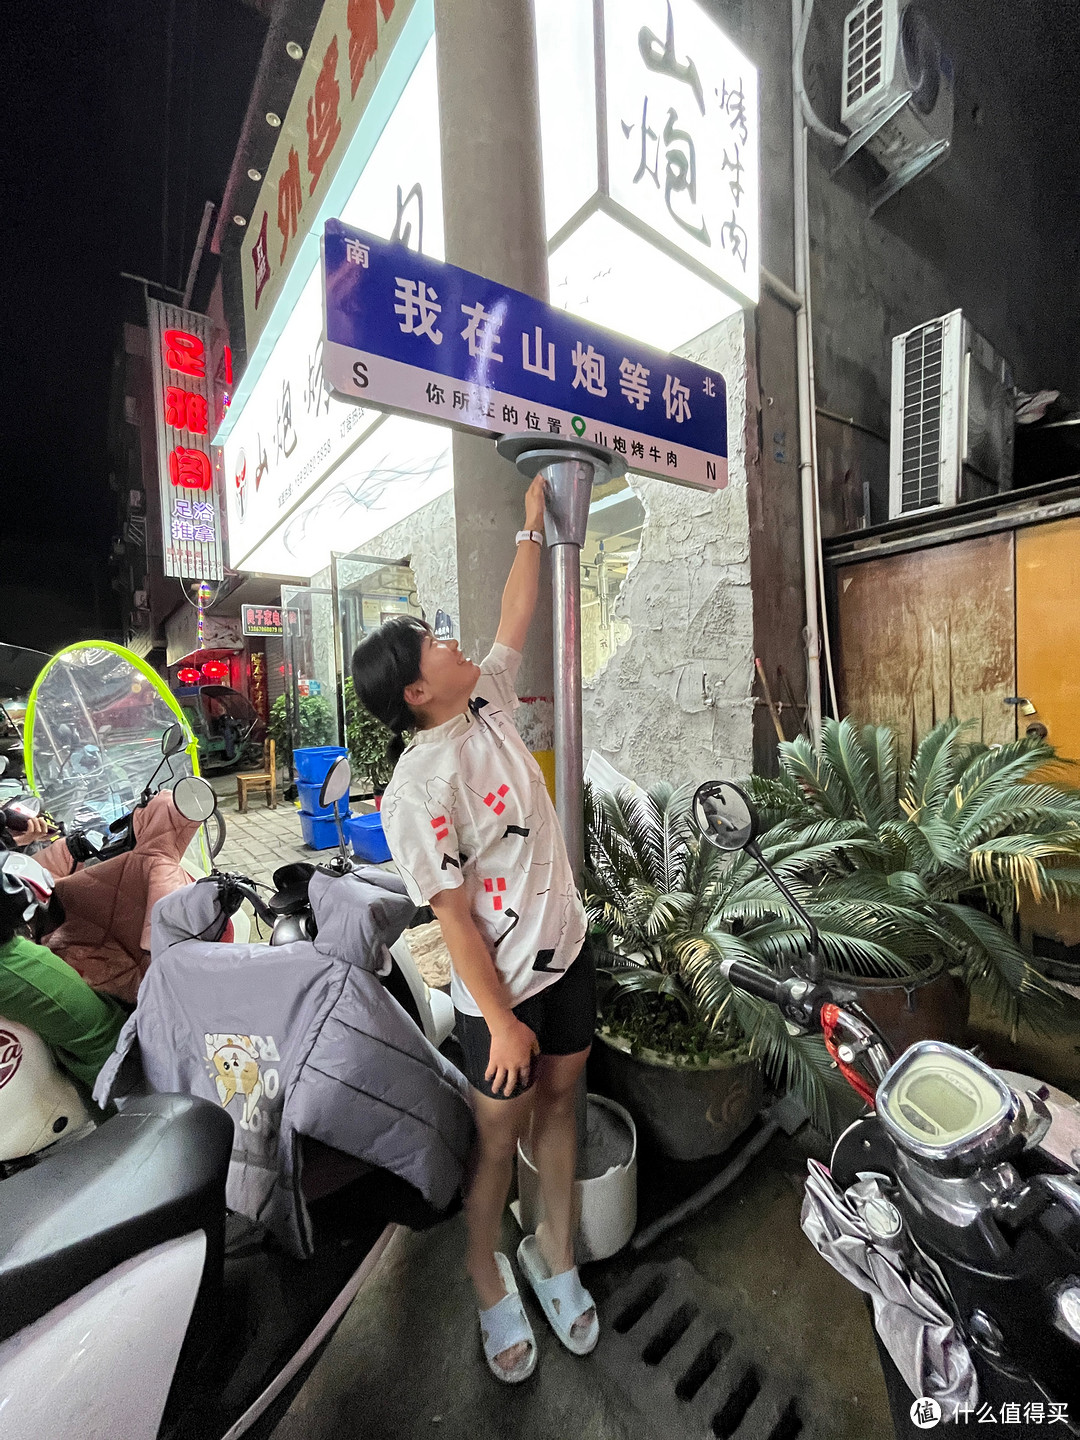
(152, 1173)
(290, 901)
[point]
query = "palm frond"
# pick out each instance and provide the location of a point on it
(933, 769)
(814, 776)
(879, 743)
(842, 746)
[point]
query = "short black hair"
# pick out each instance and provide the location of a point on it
(384, 665)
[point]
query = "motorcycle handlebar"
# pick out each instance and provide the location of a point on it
(754, 980)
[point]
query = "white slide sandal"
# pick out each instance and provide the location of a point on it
(504, 1325)
(563, 1298)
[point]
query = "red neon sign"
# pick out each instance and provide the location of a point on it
(184, 352)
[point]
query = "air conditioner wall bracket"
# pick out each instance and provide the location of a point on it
(904, 176)
(870, 129)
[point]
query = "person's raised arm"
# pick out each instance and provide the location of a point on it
(512, 1044)
(522, 585)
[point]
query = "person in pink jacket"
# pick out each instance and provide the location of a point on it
(106, 933)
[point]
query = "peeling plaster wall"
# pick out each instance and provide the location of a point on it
(428, 536)
(687, 600)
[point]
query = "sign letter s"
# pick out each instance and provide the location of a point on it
(360, 375)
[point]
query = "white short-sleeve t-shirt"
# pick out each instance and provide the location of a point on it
(467, 805)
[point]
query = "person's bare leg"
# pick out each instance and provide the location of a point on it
(499, 1123)
(553, 1148)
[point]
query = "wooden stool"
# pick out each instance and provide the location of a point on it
(265, 779)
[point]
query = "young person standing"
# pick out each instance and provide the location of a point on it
(473, 831)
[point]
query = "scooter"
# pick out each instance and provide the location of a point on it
(166, 1316)
(954, 1204)
(291, 919)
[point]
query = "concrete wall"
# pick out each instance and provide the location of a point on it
(994, 230)
(674, 702)
(427, 538)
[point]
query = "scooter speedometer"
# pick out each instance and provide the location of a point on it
(947, 1109)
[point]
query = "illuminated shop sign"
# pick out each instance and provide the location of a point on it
(182, 368)
(649, 120)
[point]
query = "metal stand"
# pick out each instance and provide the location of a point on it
(571, 469)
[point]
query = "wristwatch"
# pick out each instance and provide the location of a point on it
(533, 535)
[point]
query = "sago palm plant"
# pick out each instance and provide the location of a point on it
(962, 837)
(671, 907)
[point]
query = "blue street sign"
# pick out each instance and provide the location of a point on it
(420, 337)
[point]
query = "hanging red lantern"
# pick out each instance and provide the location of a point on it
(188, 676)
(215, 669)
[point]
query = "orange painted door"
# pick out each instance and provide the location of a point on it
(1048, 630)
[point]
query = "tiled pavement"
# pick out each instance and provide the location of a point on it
(260, 840)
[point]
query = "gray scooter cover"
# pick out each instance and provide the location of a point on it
(296, 1040)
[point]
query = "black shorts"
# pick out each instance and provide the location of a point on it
(563, 1018)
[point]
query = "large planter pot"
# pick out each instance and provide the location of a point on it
(606, 1187)
(685, 1111)
(932, 1009)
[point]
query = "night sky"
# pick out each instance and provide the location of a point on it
(106, 168)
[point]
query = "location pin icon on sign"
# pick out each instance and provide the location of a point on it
(577, 424)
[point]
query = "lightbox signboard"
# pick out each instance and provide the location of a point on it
(180, 361)
(649, 122)
(348, 53)
(290, 432)
(269, 620)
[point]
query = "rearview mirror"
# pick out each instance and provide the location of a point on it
(336, 785)
(172, 741)
(725, 815)
(195, 799)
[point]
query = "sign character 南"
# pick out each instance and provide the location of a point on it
(418, 307)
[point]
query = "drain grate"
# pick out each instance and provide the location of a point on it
(674, 1346)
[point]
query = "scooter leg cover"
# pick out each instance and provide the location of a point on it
(916, 1329)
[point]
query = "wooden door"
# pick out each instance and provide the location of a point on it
(928, 634)
(1048, 629)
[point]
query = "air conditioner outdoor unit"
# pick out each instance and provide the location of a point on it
(953, 417)
(898, 91)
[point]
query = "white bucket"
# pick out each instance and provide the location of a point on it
(608, 1202)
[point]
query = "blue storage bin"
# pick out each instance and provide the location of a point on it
(321, 834)
(312, 762)
(309, 800)
(365, 834)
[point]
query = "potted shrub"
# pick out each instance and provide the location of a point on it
(685, 1059)
(316, 725)
(367, 739)
(969, 833)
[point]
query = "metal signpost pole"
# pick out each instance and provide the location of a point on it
(570, 470)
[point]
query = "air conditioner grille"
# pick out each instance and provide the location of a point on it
(920, 483)
(864, 50)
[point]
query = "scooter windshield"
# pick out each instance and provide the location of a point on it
(94, 727)
(19, 668)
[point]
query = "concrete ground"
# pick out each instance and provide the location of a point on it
(407, 1361)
